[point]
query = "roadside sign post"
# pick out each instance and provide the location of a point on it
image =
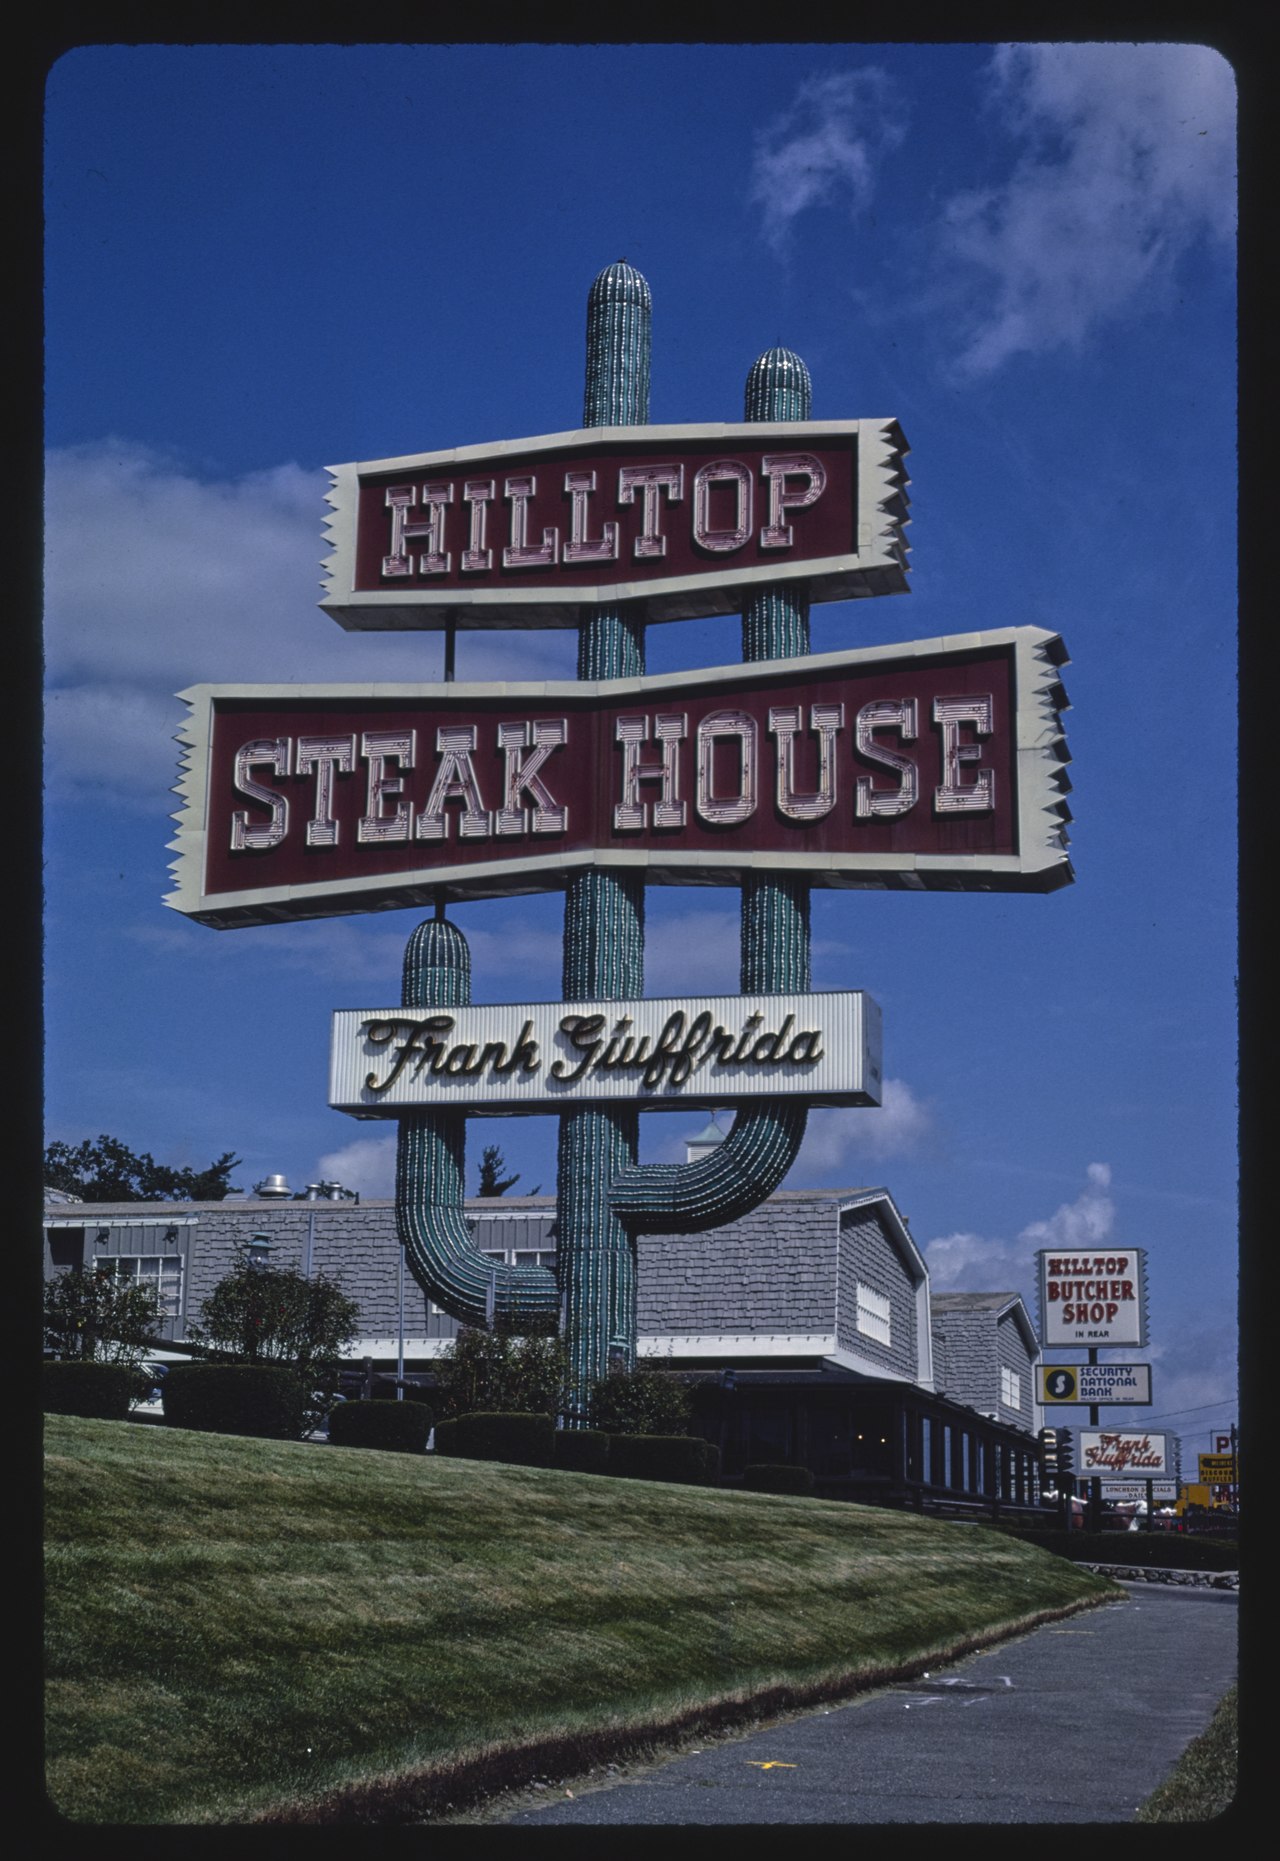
(1095, 1486)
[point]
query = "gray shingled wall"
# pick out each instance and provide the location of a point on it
(866, 1253)
(964, 1363)
(1012, 1354)
(773, 1270)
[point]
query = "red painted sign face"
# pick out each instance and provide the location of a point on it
(679, 520)
(876, 767)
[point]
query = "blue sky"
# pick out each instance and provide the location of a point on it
(262, 260)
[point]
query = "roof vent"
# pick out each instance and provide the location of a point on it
(273, 1188)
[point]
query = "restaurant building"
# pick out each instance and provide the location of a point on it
(806, 1328)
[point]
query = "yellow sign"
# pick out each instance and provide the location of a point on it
(1217, 1469)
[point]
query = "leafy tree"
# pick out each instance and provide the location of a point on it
(492, 1181)
(495, 1370)
(645, 1401)
(92, 1314)
(109, 1171)
(262, 1314)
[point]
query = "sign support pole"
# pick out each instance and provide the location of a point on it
(603, 916)
(1095, 1486)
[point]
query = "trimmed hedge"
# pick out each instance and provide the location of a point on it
(519, 1439)
(236, 1399)
(771, 1477)
(581, 1450)
(1155, 1550)
(687, 1460)
(105, 1391)
(396, 1427)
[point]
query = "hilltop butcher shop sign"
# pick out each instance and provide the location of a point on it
(1096, 1298)
(542, 1056)
(676, 520)
(939, 764)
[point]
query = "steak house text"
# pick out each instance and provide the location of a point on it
(421, 785)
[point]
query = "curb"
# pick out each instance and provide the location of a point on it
(1146, 1573)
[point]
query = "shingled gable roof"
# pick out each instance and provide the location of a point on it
(999, 1303)
(895, 1223)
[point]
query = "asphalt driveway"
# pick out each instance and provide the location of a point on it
(1075, 1722)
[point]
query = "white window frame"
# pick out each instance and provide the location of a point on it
(132, 1264)
(1010, 1388)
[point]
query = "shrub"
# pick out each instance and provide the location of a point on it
(105, 1391)
(1157, 1550)
(446, 1436)
(685, 1459)
(397, 1427)
(92, 1313)
(275, 1315)
(236, 1399)
(648, 1400)
(520, 1439)
(496, 1372)
(581, 1450)
(770, 1477)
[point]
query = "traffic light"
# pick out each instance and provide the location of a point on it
(1049, 1456)
(1066, 1452)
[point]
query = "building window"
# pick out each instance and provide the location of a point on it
(1010, 1389)
(163, 1271)
(538, 1258)
(872, 1314)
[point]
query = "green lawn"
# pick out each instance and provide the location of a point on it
(237, 1627)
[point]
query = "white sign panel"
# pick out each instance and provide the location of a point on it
(1134, 1492)
(542, 1056)
(1093, 1298)
(1095, 1383)
(1125, 1454)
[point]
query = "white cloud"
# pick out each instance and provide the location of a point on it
(825, 147)
(157, 578)
(1128, 164)
(367, 1165)
(840, 1140)
(986, 1263)
(1084, 1223)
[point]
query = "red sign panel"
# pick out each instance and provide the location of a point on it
(939, 764)
(677, 520)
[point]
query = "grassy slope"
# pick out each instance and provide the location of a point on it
(1203, 1783)
(236, 1624)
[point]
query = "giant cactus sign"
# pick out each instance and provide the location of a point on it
(940, 764)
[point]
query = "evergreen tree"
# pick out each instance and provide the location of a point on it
(492, 1164)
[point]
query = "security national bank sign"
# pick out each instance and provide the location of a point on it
(935, 765)
(546, 1056)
